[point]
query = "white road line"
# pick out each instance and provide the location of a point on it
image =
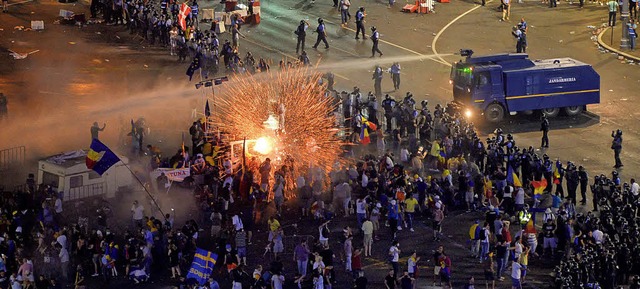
(435, 39)
(19, 2)
(286, 54)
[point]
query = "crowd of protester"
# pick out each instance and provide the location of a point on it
(435, 165)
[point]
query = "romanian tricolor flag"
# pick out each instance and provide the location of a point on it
(364, 131)
(100, 158)
(512, 177)
(538, 187)
(556, 176)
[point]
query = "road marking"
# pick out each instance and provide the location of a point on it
(287, 55)
(435, 39)
(19, 2)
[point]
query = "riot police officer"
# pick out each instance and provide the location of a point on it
(544, 127)
(375, 37)
(301, 32)
(322, 34)
(360, 23)
(616, 146)
(388, 104)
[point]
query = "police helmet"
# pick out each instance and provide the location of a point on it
(545, 156)
(320, 20)
(509, 136)
(618, 132)
(301, 21)
(373, 28)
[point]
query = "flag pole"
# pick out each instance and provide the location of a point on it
(146, 190)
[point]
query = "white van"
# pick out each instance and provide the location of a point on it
(68, 173)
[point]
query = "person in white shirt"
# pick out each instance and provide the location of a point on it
(57, 205)
(598, 236)
(394, 253)
(237, 222)
(404, 155)
(361, 210)
(277, 281)
(516, 273)
(548, 214)
(635, 187)
(137, 213)
(365, 180)
(62, 239)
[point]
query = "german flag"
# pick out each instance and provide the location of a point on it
(100, 158)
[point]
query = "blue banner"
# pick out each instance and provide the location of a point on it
(202, 265)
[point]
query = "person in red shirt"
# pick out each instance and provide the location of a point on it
(356, 263)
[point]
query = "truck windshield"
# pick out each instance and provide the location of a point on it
(462, 75)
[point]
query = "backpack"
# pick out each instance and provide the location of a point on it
(482, 235)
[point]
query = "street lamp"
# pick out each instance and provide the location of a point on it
(624, 18)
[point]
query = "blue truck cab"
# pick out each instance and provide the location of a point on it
(495, 85)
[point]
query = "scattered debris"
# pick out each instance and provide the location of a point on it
(17, 55)
(591, 27)
(72, 43)
(98, 32)
(623, 99)
(37, 25)
(561, 41)
(146, 66)
(572, 32)
(106, 60)
(19, 28)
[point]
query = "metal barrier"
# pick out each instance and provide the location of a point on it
(85, 192)
(12, 157)
(290, 242)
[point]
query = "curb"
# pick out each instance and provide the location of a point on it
(625, 55)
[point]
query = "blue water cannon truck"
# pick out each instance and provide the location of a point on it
(511, 83)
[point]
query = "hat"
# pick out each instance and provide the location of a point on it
(437, 197)
(547, 211)
(378, 205)
(393, 202)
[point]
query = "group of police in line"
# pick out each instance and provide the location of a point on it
(321, 30)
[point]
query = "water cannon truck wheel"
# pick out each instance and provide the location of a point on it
(551, 112)
(494, 113)
(573, 110)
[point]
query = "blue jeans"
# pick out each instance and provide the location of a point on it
(500, 262)
(361, 217)
(302, 267)
(484, 253)
(396, 269)
(344, 15)
(632, 42)
(409, 219)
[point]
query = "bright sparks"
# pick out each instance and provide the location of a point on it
(290, 108)
(263, 146)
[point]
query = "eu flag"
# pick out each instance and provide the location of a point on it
(202, 266)
(195, 65)
(100, 158)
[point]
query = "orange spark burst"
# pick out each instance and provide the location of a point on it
(307, 132)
